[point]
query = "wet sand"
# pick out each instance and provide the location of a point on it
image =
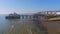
(51, 27)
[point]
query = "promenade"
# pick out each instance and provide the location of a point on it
(45, 21)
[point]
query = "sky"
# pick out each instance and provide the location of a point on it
(28, 6)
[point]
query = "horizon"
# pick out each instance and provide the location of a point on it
(25, 12)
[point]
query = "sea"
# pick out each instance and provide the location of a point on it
(18, 26)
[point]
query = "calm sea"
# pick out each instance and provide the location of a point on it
(17, 26)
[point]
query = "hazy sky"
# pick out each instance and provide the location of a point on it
(28, 6)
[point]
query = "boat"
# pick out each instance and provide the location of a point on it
(13, 16)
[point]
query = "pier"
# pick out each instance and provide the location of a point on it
(26, 16)
(30, 24)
